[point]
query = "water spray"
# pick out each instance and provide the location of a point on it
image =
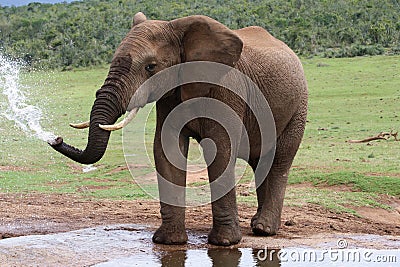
(25, 116)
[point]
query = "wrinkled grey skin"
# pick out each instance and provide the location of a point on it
(152, 46)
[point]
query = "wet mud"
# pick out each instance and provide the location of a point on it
(130, 245)
(65, 230)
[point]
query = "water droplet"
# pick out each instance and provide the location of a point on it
(89, 168)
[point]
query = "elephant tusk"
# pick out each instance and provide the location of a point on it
(121, 124)
(81, 125)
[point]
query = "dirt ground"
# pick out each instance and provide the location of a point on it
(26, 214)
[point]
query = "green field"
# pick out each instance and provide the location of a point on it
(349, 99)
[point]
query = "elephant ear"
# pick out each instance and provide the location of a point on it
(138, 18)
(205, 39)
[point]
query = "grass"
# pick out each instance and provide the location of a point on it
(379, 184)
(337, 201)
(349, 99)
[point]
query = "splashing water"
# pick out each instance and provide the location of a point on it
(27, 117)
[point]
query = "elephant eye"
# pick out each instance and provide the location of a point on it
(151, 67)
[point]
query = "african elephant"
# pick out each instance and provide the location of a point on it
(152, 46)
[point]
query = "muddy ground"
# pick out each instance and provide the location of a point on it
(28, 214)
(67, 230)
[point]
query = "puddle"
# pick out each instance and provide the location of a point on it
(76, 248)
(198, 257)
(244, 257)
(130, 245)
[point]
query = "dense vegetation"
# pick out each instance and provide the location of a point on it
(86, 33)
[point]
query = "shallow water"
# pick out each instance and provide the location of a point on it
(196, 257)
(130, 245)
(255, 257)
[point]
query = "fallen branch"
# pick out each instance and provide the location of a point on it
(380, 136)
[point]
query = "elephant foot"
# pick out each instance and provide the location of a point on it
(170, 235)
(225, 235)
(264, 227)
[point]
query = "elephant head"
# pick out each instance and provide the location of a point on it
(149, 47)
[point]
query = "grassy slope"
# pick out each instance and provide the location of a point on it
(349, 99)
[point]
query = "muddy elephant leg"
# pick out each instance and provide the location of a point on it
(171, 184)
(226, 228)
(270, 195)
(271, 192)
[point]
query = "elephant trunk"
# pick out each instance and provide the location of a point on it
(106, 110)
(111, 102)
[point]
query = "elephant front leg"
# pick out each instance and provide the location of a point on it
(172, 230)
(226, 228)
(171, 175)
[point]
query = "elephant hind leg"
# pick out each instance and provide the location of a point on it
(271, 191)
(270, 195)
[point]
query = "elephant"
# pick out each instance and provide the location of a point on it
(152, 46)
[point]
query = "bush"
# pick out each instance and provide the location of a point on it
(85, 33)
